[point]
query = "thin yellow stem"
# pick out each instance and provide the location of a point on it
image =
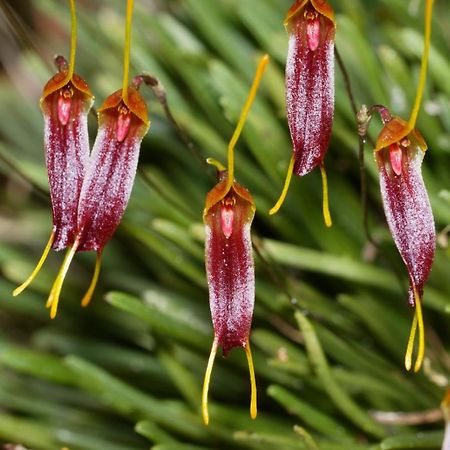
(126, 53)
(284, 192)
(73, 39)
(421, 348)
(243, 117)
(87, 297)
(38, 267)
(410, 347)
(206, 382)
(251, 369)
(325, 202)
(424, 64)
(53, 298)
(217, 164)
(417, 323)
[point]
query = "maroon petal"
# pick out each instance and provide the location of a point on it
(111, 169)
(65, 105)
(310, 82)
(229, 264)
(407, 208)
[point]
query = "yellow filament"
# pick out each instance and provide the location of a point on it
(325, 203)
(217, 164)
(206, 382)
(410, 347)
(243, 117)
(87, 297)
(38, 267)
(424, 64)
(73, 39)
(251, 369)
(53, 298)
(417, 323)
(284, 192)
(126, 53)
(421, 349)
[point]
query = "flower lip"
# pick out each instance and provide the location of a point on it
(133, 101)
(321, 6)
(61, 79)
(395, 131)
(220, 191)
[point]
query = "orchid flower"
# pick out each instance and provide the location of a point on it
(123, 123)
(65, 104)
(228, 215)
(399, 152)
(109, 175)
(309, 90)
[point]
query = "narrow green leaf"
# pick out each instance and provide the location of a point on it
(339, 397)
(423, 440)
(178, 327)
(153, 432)
(311, 416)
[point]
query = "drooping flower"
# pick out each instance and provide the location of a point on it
(229, 262)
(105, 187)
(228, 215)
(122, 124)
(309, 89)
(65, 103)
(399, 153)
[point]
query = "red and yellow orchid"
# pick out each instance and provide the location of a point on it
(309, 90)
(228, 215)
(65, 103)
(399, 152)
(104, 186)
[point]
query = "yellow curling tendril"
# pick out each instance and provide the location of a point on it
(206, 382)
(243, 117)
(251, 369)
(424, 65)
(38, 267)
(217, 164)
(127, 49)
(285, 190)
(53, 298)
(416, 324)
(73, 38)
(325, 202)
(87, 297)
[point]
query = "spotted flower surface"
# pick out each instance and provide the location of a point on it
(89, 192)
(310, 81)
(65, 103)
(228, 215)
(229, 262)
(123, 122)
(399, 154)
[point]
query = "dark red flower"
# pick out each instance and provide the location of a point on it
(123, 122)
(65, 103)
(310, 81)
(228, 215)
(399, 153)
(229, 262)
(309, 90)
(89, 192)
(106, 189)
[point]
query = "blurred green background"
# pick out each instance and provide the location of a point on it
(126, 373)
